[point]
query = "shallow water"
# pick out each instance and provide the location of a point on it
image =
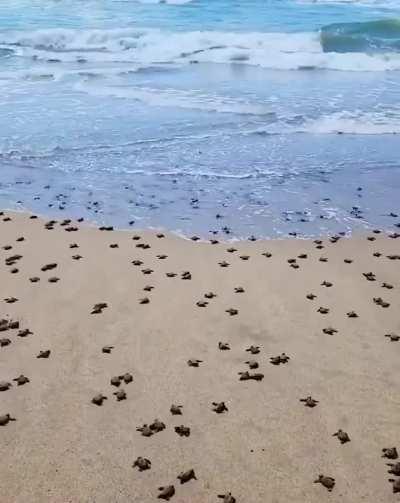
(276, 115)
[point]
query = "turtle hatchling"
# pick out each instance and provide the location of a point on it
(342, 436)
(394, 468)
(142, 463)
(327, 482)
(252, 364)
(44, 354)
(5, 419)
(390, 453)
(309, 401)
(393, 337)
(120, 395)
(4, 385)
(98, 399)
(127, 378)
(186, 476)
(182, 431)
(254, 350)
(157, 425)
(227, 498)
(176, 410)
(115, 381)
(21, 380)
(145, 430)
(219, 407)
(223, 346)
(166, 493)
(194, 363)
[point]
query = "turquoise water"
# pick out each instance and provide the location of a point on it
(281, 115)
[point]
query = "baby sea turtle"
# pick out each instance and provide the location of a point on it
(186, 275)
(342, 436)
(327, 482)
(98, 308)
(144, 300)
(202, 303)
(311, 296)
(371, 238)
(219, 407)
(393, 257)
(302, 256)
(34, 279)
(352, 314)
(377, 254)
(370, 276)
(4, 385)
(166, 492)
(295, 266)
(120, 395)
(160, 235)
(76, 257)
(143, 246)
(127, 378)
(148, 288)
(147, 271)
(21, 380)
(13, 325)
(74, 245)
(115, 381)
(195, 238)
(176, 410)
(231, 311)
(380, 302)
(24, 333)
(49, 267)
(224, 346)
(329, 331)
(210, 295)
(244, 257)
(395, 468)
(390, 453)
(44, 354)
(254, 350)
(186, 476)
(277, 360)
(387, 285)
(98, 399)
(252, 364)
(291, 261)
(136, 237)
(142, 463)
(162, 256)
(393, 337)
(309, 401)
(170, 274)
(157, 425)
(214, 241)
(396, 485)
(10, 300)
(14, 270)
(194, 363)
(231, 250)
(246, 376)
(267, 254)
(137, 262)
(182, 431)
(323, 310)
(323, 259)
(347, 261)
(145, 430)
(107, 349)
(5, 419)
(228, 498)
(53, 279)
(328, 284)
(4, 342)
(224, 263)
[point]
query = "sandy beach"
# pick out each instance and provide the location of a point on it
(314, 302)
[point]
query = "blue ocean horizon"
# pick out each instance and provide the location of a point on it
(262, 117)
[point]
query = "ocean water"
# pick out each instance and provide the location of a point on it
(236, 117)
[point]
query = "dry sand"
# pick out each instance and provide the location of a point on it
(268, 447)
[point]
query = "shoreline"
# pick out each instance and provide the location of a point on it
(267, 444)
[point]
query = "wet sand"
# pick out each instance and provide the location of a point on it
(268, 446)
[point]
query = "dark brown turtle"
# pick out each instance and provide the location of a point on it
(53, 279)
(114, 245)
(166, 492)
(395, 485)
(137, 262)
(193, 362)
(267, 254)
(7, 247)
(14, 270)
(371, 238)
(20, 239)
(74, 245)
(162, 256)
(21, 380)
(231, 250)
(393, 337)
(99, 399)
(309, 401)
(352, 314)
(144, 300)
(393, 257)
(34, 279)
(24, 333)
(247, 376)
(328, 284)
(145, 430)
(4, 385)
(49, 267)
(277, 360)
(195, 238)
(186, 275)
(347, 261)
(370, 276)
(224, 346)
(380, 302)
(239, 289)
(231, 311)
(136, 238)
(291, 260)
(327, 482)
(219, 407)
(76, 257)
(182, 431)
(252, 364)
(377, 254)
(120, 395)
(147, 271)
(107, 349)
(224, 263)
(302, 256)
(115, 381)
(311, 296)
(387, 285)
(5, 419)
(10, 300)
(214, 241)
(127, 378)
(160, 235)
(157, 425)
(142, 463)
(329, 331)
(186, 476)
(98, 308)
(13, 325)
(4, 342)
(143, 246)
(170, 274)
(295, 266)
(323, 310)
(244, 257)
(210, 295)
(148, 288)
(323, 259)
(202, 303)
(390, 453)
(254, 350)
(176, 410)
(394, 468)
(228, 498)
(342, 436)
